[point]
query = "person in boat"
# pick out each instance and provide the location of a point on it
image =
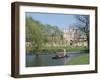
(61, 54)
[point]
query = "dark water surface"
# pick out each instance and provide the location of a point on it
(33, 60)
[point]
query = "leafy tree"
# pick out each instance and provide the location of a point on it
(37, 35)
(33, 33)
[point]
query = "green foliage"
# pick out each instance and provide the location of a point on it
(33, 34)
(37, 35)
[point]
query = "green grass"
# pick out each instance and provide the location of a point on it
(68, 49)
(76, 49)
(79, 60)
(61, 49)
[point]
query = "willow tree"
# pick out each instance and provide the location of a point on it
(34, 34)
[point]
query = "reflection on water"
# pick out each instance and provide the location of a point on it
(33, 60)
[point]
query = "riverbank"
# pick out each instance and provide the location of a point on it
(55, 50)
(79, 60)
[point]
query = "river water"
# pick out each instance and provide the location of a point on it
(33, 60)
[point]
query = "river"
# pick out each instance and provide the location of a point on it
(33, 60)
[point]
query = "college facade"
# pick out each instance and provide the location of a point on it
(73, 37)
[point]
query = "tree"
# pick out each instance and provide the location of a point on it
(38, 34)
(83, 25)
(52, 34)
(33, 34)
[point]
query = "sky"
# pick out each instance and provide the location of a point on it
(61, 20)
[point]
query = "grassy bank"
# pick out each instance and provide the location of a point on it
(79, 60)
(61, 49)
